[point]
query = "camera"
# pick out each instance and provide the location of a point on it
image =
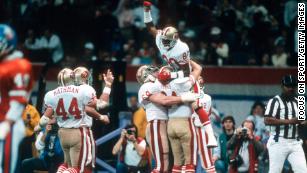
(244, 133)
(54, 128)
(237, 161)
(130, 132)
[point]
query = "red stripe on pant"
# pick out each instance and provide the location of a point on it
(81, 151)
(7, 153)
(209, 151)
(201, 144)
(160, 147)
(191, 142)
(152, 141)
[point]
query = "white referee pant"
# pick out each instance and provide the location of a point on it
(290, 149)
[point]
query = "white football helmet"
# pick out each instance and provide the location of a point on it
(169, 37)
(146, 73)
(82, 75)
(65, 77)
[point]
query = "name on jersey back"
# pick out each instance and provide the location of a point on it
(61, 90)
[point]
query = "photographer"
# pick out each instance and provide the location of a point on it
(244, 149)
(49, 147)
(133, 156)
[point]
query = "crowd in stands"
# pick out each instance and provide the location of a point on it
(218, 32)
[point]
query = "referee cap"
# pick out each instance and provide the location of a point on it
(289, 81)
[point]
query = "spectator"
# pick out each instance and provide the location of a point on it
(133, 104)
(49, 147)
(219, 48)
(89, 54)
(220, 156)
(124, 14)
(133, 155)
(290, 12)
(265, 60)
(279, 59)
(244, 149)
(256, 116)
(52, 43)
(34, 46)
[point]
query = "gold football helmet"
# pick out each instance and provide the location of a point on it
(65, 77)
(146, 73)
(169, 37)
(82, 75)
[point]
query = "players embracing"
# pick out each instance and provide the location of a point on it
(176, 54)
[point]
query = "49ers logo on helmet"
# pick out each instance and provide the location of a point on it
(84, 74)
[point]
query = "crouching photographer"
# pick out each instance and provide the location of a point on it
(49, 147)
(244, 149)
(133, 157)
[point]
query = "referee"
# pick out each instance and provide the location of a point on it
(281, 118)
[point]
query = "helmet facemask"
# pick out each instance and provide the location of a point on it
(169, 37)
(146, 74)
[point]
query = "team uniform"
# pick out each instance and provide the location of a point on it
(16, 82)
(88, 122)
(180, 128)
(156, 130)
(284, 142)
(68, 104)
(204, 152)
(176, 57)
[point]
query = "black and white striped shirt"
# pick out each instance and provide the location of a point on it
(281, 109)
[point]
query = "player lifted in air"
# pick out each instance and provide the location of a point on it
(15, 85)
(176, 53)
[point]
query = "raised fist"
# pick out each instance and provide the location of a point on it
(146, 5)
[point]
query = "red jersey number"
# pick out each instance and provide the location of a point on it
(73, 109)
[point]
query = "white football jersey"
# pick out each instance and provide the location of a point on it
(177, 56)
(176, 88)
(206, 101)
(153, 111)
(68, 105)
(90, 95)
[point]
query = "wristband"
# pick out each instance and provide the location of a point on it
(147, 17)
(180, 74)
(107, 90)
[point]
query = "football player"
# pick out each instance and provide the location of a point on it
(180, 128)
(16, 82)
(82, 77)
(204, 152)
(154, 101)
(176, 53)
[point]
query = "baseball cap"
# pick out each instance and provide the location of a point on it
(289, 81)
